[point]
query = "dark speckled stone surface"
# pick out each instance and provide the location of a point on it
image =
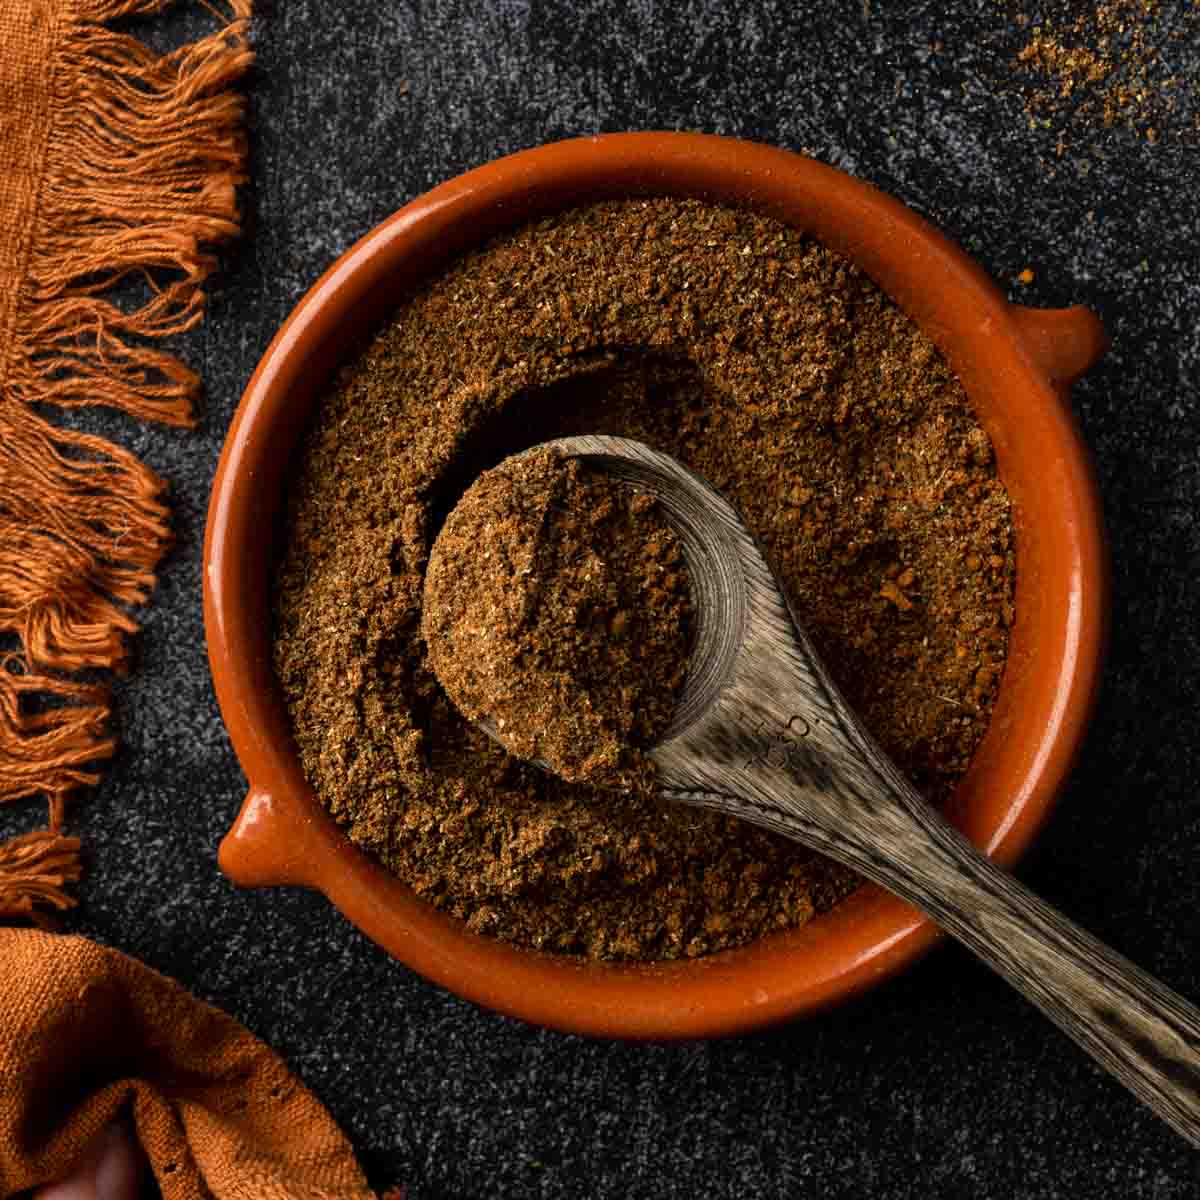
(940, 1084)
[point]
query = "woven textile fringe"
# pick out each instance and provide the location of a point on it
(34, 870)
(138, 175)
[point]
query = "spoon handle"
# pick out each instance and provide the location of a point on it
(1141, 1031)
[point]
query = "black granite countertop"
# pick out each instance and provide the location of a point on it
(942, 1083)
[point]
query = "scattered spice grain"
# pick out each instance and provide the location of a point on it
(1100, 65)
(764, 361)
(556, 608)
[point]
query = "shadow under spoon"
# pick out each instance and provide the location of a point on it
(762, 733)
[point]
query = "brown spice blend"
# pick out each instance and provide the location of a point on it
(1087, 65)
(556, 609)
(765, 362)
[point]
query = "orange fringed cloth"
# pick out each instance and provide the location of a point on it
(89, 1036)
(115, 162)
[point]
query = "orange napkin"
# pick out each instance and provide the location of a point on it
(116, 163)
(87, 1033)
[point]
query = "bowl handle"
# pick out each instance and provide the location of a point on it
(1063, 342)
(267, 845)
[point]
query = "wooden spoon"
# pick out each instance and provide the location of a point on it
(761, 732)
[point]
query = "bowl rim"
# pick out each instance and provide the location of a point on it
(283, 835)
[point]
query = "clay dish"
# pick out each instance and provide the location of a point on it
(1016, 364)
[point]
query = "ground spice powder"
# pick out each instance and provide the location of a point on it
(757, 357)
(1098, 65)
(556, 609)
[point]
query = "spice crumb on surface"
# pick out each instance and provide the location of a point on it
(1090, 66)
(556, 607)
(765, 362)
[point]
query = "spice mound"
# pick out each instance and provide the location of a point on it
(556, 608)
(758, 358)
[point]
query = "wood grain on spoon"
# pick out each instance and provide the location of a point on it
(762, 733)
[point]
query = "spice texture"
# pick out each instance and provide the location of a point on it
(556, 609)
(1093, 66)
(763, 361)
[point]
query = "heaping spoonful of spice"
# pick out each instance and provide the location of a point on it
(761, 732)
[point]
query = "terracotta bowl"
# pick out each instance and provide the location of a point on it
(1016, 364)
